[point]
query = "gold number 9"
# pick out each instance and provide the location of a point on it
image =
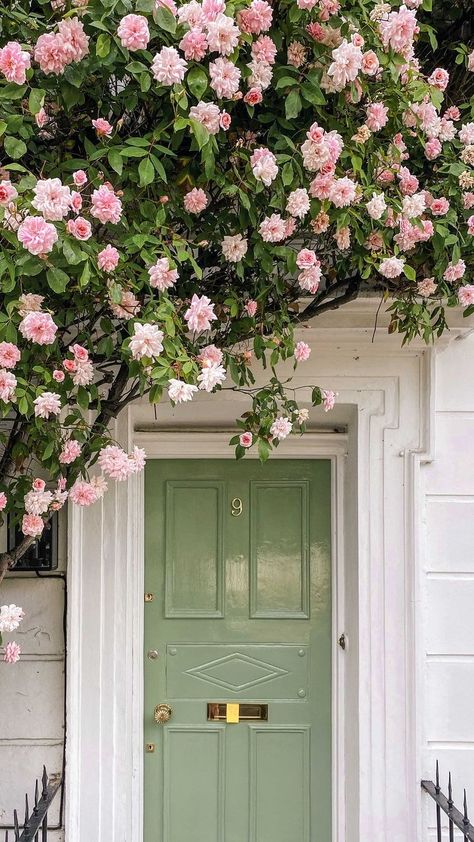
(236, 507)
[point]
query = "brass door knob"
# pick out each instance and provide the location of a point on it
(162, 714)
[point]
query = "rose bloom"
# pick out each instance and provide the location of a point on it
(36, 235)
(83, 493)
(281, 428)
(466, 135)
(52, 198)
(3, 503)
(246, 439)
(146, 342)
(264, 166)
(162, 276)
(234, 248)
(49, 403)
(306, 258)
(10, 615)
(76, 201)
(108, 258)
(439, 207)
(346, 65)
(14, 62)
(208, 114)
(225, 77)
(58, 375)
(320, 223)
(377, 116)
(200, 314)
(426, 287)
(133, 32)
(439, 79)
(115, 462)
(470, 62)
(225, 120)
(253, 96)
(298, 203)
(30, 303)
(468, 200)
(211, 375)
(376, 206)
(195, 200)
(342, 192)
(370, 63)
(102, 127)
(194, 45)
(466, 295)
(80, 228)
(264, 49)
(7, 385)
(9, 355)
(79, 178)
(260, 76)
(74, 40)
(257, 18)
(302, 351)
(470, 226)
(392, 267)
(70, 452)
(168, 67)
(80, 353)
(329, 399)
(273, 229)
(32, 525)
(455, 271)
(180, 392)
(106, 206)
(251, 308)
(12, 652)
(222, 35)
(128, 307)
(7, 192)
(211, 9)
(309, 279)
(210, 354)
(433, 149)
(38, 327)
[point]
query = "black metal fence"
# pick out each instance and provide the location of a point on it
(34, 827)
(445, 805)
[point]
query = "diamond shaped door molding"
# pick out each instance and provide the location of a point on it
(237, 672)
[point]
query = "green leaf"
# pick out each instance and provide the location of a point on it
(14, 147)
(36, 100)
(102, 47)
(3, 126)
(159, 168)
(200, 133)
(286, 82)
(165, 19)
(145, 5)
(293, 105)
(115, 160)
(409, 272)
(197, 81)
(263, 450)
(85, 275)
(57, 279)
(313, 94)
(287, 173)
(146, 171)
(83, 398)
(133, 152)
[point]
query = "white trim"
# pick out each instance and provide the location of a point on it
(380, 397)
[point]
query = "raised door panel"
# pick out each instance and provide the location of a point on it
(194, 784)
(279, 550)
(244, 671)
(279, 784)
(194, 549)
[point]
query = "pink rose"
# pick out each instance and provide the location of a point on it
(8, 192)
(9, 355)
(58, 375)
(225, 120)
(102, 127)
(253, 96)
(439, 79)
(246, 439)
(79, 178)
(80, 353)
(3, 500)
(38, 327)
(108, 259)
(70, 366)
(251, 308)
(12, 650)
(80, 228)
(306, 258)
(302, 351)
(36, 235)
(32, 525)
(439, 207)
(76, 201)
(14, 62)
(370, 63)
(133, 32)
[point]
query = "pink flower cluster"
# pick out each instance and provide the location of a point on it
(55, 50)
(14, 62)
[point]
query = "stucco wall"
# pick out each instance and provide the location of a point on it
(447, 591)
(32, 691)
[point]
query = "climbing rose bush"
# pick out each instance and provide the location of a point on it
(180, 186)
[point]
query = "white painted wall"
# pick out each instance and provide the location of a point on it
(32, 691)
(447, 579)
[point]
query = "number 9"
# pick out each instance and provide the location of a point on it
(236, 507)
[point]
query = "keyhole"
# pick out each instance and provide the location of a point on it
(236, 507)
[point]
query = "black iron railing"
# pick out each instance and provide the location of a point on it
(444, 804)
(34, 827)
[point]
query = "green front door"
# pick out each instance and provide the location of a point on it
(238, 561)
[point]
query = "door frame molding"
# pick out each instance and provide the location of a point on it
(386, 398)
(214, 444)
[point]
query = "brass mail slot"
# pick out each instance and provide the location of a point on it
(246, 712)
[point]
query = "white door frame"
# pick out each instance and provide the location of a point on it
(386, 400)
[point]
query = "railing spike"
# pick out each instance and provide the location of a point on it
(44, 781)
(35, 809)
(450, 791)
(437, 777)
(16, 825)
(466, 819)
(27, 810)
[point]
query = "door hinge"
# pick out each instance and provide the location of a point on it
(342, 641)
(149, 597)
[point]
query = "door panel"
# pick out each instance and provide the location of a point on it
(238, 558)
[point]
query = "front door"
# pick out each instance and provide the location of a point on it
(238, 651)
